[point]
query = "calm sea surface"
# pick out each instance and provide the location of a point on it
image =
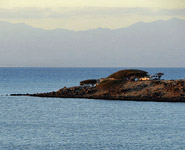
(30, 123)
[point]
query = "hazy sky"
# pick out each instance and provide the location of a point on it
(85, 14)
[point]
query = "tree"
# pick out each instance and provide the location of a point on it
(91, 82)
(159, 75)
(128, 74)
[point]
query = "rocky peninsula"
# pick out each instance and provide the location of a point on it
(130, 85)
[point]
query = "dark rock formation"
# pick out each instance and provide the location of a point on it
(158, 90)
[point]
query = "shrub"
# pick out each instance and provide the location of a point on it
(89, 82)
(128, 73)
(159, 75)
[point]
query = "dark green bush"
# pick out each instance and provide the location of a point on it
(89, 82)
(128, 73)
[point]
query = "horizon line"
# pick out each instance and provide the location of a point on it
(84, 67)
(104, 28)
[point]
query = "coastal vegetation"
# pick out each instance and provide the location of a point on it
(91, 82)
(128, 74)
(159, 75)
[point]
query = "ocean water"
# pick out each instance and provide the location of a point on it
(31, 123)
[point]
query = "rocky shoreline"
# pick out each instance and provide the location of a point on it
(158, 91)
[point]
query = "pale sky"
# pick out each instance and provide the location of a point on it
(86, 14)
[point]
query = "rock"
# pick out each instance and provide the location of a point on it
(171, 91)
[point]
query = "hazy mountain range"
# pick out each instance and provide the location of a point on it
(155, 44)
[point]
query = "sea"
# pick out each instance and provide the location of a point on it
(33, 123)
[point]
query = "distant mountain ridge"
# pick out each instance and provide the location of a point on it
(154, 44)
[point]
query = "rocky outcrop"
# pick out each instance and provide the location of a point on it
(154, 90)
